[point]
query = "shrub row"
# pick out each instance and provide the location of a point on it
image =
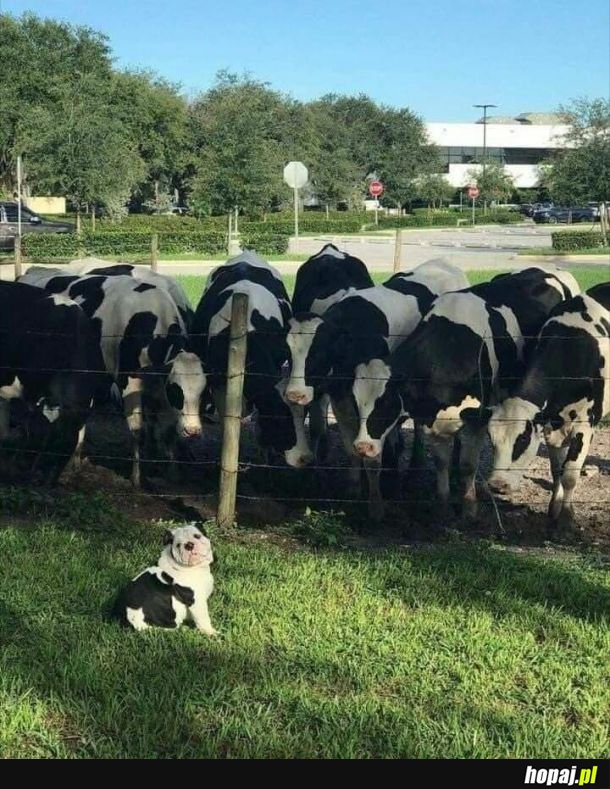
(66, 245)
(566, 241)
(265, 243)
(339, 222)
(446, 219)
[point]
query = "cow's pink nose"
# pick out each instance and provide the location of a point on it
(294, 396)
(366, 449)
(192, 431)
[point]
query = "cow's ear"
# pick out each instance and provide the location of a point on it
(539, 419)
(476, 417)
(168, 537)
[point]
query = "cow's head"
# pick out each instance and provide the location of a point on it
(185, 385)
(515, 430)
(281, 427)
(378, 404)
(310, 357)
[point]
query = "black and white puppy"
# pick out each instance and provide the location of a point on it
(174, 590)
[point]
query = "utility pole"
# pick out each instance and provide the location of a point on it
(484, 107)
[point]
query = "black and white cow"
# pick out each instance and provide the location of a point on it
(327, 277)
(268, 315)
(144, 345)
(93, 265)
(564, 395)
(322, 281)
(49, 362)
(468, 352)
(344, 352)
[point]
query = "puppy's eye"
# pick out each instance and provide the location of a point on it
(197, 536)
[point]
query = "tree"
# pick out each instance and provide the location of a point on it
(495, 184)
(39, 57)
(155, 116)
(244, 133)
(582, 173)
(78, 148)
(434, 189)
(406, 155)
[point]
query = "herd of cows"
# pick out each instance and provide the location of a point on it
(521, 358)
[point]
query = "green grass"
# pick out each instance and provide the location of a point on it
(586, 277)
(455, 650)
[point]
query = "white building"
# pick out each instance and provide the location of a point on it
(519, 144)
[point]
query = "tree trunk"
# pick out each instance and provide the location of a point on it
(93, 219)
(78, 227)
(156, 196)
(327, 211)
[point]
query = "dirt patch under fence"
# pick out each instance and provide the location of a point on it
(270, 493)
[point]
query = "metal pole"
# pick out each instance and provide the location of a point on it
(19, 196)
(229, 236)
(484, 107)
(236, 365)
(296, 212)
(473, 216)
(376, 211)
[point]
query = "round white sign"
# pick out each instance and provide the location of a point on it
(295, 175)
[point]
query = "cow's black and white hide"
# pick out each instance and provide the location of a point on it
(268, 316)
(469, 351)
(323, 280)
(50, 366)
(326, 278)
(143, 274)
(145, 348)
(564, 395)
(344, 352)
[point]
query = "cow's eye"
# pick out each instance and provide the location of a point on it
(175, 396)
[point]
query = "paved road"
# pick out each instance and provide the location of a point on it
(485, 247)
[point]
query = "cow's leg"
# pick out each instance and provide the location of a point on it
(575, 456)
(347, 421)
(471, 442)
(442, 447)
(5, 418)
(132, 408)
(418, 448)
(372, 467)
(318, 425)
(557, 457)
(76, 461)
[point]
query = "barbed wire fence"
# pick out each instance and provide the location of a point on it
(232, 420)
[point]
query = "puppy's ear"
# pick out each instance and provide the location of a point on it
(168, 537)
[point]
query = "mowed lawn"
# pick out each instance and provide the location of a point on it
(451, 650)
(587, 276)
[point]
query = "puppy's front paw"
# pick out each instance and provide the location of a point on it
(208, 631)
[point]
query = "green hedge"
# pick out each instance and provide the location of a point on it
(337, 222)
(568, 240)
(66, 245)
(446, 219)
(264, 243)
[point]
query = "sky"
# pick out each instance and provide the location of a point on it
(437, 57)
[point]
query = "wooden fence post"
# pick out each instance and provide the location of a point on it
(397, 250)
(18, 268)
(236, 365)
(154, 252)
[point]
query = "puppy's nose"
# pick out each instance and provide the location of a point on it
(188, 546)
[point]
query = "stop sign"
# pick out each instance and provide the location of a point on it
(473, 192)
(376, 188)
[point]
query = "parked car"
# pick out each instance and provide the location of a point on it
(30, 223)
(571, 214)
(529, 209)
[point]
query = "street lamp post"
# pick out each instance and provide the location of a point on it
(484, 107)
